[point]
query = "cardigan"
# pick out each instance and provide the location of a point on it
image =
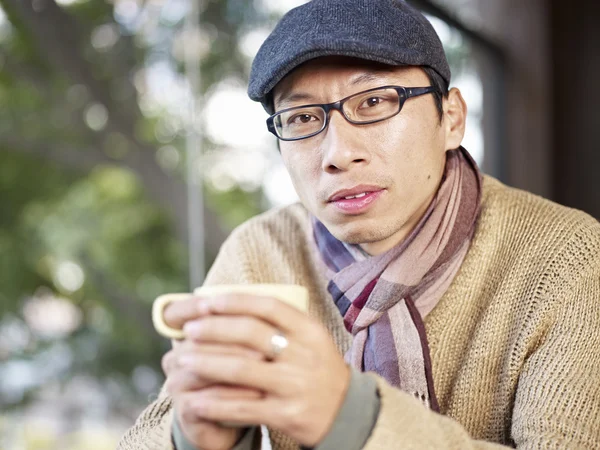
(514, 341)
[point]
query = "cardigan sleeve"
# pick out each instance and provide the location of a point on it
(152, 429)
(557, 403)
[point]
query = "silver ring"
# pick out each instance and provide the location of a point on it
(278, 343)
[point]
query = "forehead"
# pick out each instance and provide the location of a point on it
(337, 76)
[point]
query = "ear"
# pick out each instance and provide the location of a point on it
(455, 118)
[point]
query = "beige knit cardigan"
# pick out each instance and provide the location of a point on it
(515, 341)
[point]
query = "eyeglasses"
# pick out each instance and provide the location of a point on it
(363, 108)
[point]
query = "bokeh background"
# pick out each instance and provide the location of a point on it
(129, 150)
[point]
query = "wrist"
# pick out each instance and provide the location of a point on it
(356, 417)
(321, 425)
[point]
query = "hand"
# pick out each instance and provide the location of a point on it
(183, 384)
(303, 388)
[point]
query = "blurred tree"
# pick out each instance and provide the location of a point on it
(93, 214)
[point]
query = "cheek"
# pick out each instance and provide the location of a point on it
(304, 173)
(399, 147)
(415, 152)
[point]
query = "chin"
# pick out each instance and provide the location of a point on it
(351, 233)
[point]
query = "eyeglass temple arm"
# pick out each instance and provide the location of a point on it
(416, 91)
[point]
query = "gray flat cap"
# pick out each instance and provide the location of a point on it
(386, 31)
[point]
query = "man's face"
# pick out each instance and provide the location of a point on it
(398, 162)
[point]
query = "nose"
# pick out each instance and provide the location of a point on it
(342, 146)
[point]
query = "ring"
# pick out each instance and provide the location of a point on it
(278, 343)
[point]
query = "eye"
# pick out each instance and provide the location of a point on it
(371, 102)
(302, 118)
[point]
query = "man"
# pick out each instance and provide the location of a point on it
(446, 309)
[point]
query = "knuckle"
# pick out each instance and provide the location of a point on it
(239, 368)
(179, 383)
(171, 386)
(269, 306)
(224, 302)
(166, 362)
(185, 408)
(212, 327)
(248, 328)
(242, 409)
(196, 405)
(203, 329)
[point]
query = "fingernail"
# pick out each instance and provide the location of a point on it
(191, 328)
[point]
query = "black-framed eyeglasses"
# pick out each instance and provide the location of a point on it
(363, 108)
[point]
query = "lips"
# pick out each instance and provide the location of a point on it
(355, 192)
(355, 201)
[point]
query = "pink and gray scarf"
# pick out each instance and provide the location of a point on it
(384, 299)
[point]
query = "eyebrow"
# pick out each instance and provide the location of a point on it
(285, 100)
(369, 76)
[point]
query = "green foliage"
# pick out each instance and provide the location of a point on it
(82, 217)
(234, 206)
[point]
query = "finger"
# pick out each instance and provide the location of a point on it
(279, 314)
(238, 330)
(235, 371)
(214, 348)
(192, 350)
(186, 381)
(177, 313)
(205, 406)
(170, 364)
(226, 392)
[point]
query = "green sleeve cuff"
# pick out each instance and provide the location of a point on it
(357, 416)
(180, 442)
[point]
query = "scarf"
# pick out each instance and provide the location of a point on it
(384, 298)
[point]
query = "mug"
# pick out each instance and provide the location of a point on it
(292, 294)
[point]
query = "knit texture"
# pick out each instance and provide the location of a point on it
(515, 341)
(386, 31)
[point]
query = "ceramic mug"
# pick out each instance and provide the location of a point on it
(291, 294)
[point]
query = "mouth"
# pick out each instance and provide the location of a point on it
(355, 192)
(356, 200)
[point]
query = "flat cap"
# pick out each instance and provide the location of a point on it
(386, 31)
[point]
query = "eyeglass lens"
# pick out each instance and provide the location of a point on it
(364, 107)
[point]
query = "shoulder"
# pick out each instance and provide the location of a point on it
(535, 237)
(288, 223)
(508, 201)
(520, 214)
(273, 247)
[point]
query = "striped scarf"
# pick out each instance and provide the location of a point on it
(384, 299)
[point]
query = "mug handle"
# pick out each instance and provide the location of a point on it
(158, 309)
